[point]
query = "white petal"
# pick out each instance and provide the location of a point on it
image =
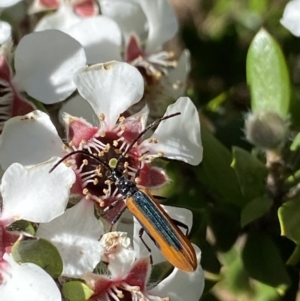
(178, 137)
(291, 17)
(27, 282)
(100, 37)
(5, 31)
(79, 107)
(29, 139)
(62, 19)
(110, 88)
(33, 193)
(76, 235)
(7, 3)
(174, 82)
(181, 286)
(45, 63)
(162, 23)
(128, 14)
(182, 215)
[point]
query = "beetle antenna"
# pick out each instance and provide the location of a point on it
(150, 126)
(84, 153)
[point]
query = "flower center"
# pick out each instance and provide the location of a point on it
(93, 177)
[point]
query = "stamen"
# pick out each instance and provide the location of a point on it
(160, 154)
(107, 148)
(101, 117)
(121, 118)
(84, 163)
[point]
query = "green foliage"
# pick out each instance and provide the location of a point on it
(255, 209)
(76, 291)
(289, 219)
(267, 75)
(41, 252)
(263, 262)
(216, 175)
(22, 225)
(251, 173)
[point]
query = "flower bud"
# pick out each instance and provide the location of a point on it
(266, 130)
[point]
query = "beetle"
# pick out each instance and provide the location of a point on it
(164, 231)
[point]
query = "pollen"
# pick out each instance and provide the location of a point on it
(102, 134)
(137, 180)
(123, 127)
(85, 191)
(85, 161)
(107, 148)
(101, 117)
(95, 181)
(71, 143)
(101, 154)
(126, 164)
(121, 118)
(120, 295)
(68, 164)
(160, 154)
(98, 172)
(115, 143)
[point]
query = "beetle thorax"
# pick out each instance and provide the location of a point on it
(126, 187)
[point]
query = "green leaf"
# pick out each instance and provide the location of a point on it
(258, 6)
(289, 219)
(263, 262)
(255, 209)
(22, 225)
(224, 221)
(296, 143)
(41, 252)
(264, 292)
(236, 278)
(267, 75)
(295, 257)
(76, 291)
(215, 174)
(209, 260)
(251, 173)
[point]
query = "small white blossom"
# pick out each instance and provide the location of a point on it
(291, 17)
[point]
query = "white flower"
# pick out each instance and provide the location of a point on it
(291, 17)
(11, 101)
(5, 32)
(26, 282)
(27, 193)
(8, 3)
(130, 272)
(76, 235)
(68, 13)
(110, 89)
(38, 204)
(44, 69)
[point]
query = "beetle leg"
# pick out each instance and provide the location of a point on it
(141, 232)
(181, 225)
